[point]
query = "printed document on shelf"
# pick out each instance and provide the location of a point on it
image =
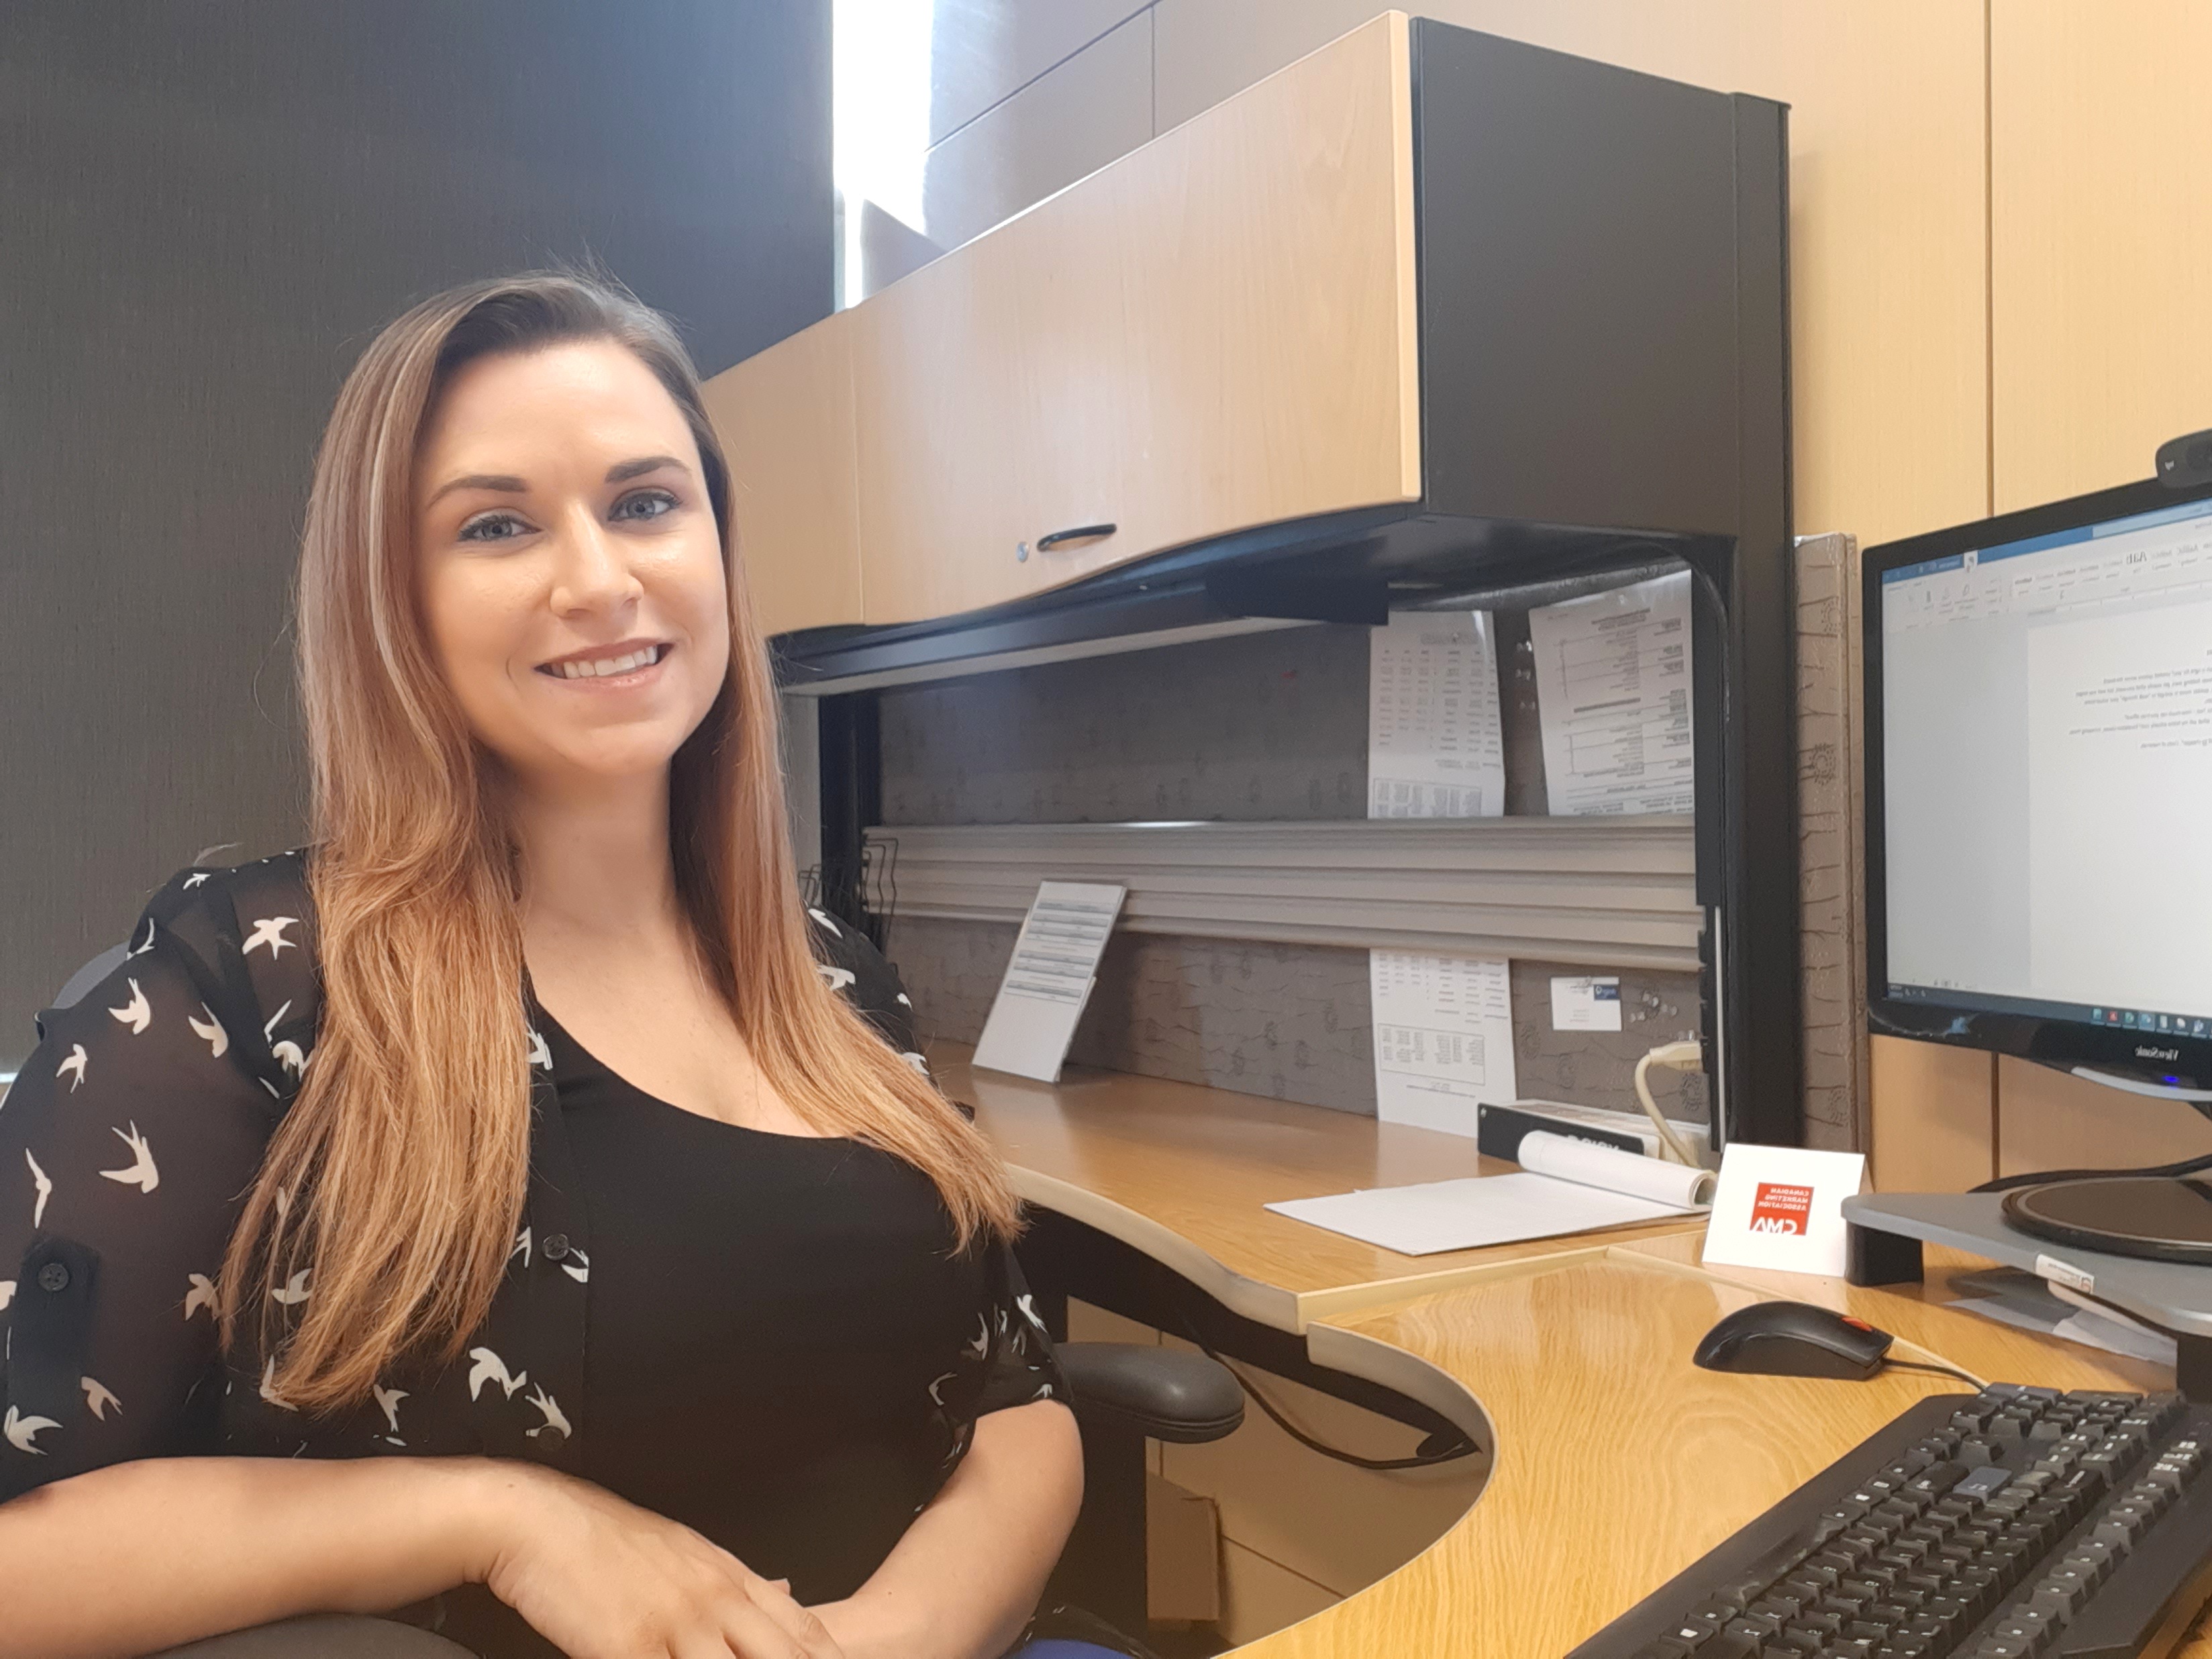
(1444, 1038)
(1436, 745)
(1612, 697)
(1049, 979)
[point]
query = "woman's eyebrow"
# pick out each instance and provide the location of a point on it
(505, 483)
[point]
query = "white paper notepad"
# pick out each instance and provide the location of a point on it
(1049, 979)
(1555, 1194)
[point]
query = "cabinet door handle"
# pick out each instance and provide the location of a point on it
(1084, 532)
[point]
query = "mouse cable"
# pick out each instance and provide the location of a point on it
(2188, 1166)
(1937, 1367)
(1429, 1454)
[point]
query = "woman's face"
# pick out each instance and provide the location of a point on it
(571, 572)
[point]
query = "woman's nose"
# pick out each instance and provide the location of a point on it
(591, 573)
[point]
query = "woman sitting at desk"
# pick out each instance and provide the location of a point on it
(507, 1152)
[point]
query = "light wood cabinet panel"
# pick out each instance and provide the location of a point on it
(2049, 1120)
(785, 421)
(2101, 249)
(1934, 1116)
(1215, 332)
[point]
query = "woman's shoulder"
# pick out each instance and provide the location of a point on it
(245, 932)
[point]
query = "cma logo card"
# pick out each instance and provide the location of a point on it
(1782, 1207)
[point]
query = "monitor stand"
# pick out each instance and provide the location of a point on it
(1886, 1232)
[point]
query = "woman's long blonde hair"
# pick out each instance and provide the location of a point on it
(399, 1174)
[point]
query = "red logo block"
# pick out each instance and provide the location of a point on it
(1776, 1208)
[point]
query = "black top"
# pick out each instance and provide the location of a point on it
(766, 1337)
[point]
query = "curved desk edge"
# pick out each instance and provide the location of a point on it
(1294, 1311)
(1265, 1304)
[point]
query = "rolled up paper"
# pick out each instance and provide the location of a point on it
(1585, 1162)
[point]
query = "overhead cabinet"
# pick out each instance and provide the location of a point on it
(1421, 272)
(1428, 318)
(1216, 331)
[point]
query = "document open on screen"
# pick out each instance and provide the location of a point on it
(2047, 759)
(2119, 784)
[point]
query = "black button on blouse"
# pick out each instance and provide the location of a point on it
(766, 1337)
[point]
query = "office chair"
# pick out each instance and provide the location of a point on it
(1124, 1393)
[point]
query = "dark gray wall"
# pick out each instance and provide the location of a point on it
(207, 208)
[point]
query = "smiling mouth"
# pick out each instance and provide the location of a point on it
(620, 665)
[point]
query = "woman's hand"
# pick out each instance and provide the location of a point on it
(601, 1578)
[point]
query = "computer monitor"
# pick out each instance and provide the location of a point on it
(2038, 786)
(2039, 819)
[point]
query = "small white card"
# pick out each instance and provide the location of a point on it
(1585, 1005)
(1049, 979)
(1782, 1207)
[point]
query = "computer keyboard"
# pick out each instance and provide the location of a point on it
(2014, 1522)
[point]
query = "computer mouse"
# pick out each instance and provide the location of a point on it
(1793, 1338)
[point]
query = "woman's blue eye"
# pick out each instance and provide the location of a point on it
(645, 504)
(492, 527)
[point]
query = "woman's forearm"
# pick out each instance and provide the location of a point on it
(963, 1580)
(144, 1556)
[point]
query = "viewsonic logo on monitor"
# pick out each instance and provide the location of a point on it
(2157, 1053)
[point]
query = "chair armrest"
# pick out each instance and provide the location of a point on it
(1164, 1393)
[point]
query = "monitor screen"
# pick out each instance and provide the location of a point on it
(2039, 767)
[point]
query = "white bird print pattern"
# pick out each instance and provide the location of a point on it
(982, 1344)
(268, 1387)
(144, 946)
(138, 1013)
(193, 880)
(41, 1187)
(577, 1266)
(936, 1398)
(7, 1293)
(555, 1418)
(99, 1396)
(270, 931)
(521, 1246)
(387, 1401)
(201, 1295)
(490, 1368)
(218, 1040)
(77, 1061)
(915, 1061)
(835, 932)
(141, 1173)
(20, 1431)
(540, 1056)
(295, 1291)
(905, 1000)
(837, 978)
(287, 1053)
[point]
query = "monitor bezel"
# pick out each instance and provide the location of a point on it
(2069, 1045)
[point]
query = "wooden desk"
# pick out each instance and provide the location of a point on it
(1615, 1462)
(1183, 1173)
